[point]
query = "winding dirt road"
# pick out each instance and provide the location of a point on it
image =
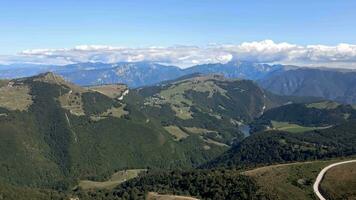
(321, 176)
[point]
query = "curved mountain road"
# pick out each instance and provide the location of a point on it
(321, 176)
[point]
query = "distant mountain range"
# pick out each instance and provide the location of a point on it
(140, 73)
(333, 84)
(327, 83)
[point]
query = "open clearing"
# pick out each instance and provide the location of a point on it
(15, 97)
(116, 179)
(112, 91)
(113, 112)
(155, 196)
(324, 105)
(339, 182)
(293, 128)
(176, 132)
(199, 131)
(72, 101)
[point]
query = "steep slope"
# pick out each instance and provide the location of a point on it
(330, 84)
(62, 132)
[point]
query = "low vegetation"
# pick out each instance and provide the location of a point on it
(289, 181)
(72, 101)
(293, 128)
(156, 196)
(324, 105)
(112, 91)
(340, 182)
(176, 132)
(116, 179)
(15, 97)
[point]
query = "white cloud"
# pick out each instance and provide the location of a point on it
(267, 51)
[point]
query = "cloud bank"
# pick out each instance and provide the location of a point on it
(267, 51)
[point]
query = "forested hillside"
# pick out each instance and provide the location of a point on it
(61, 132)
(279, 147)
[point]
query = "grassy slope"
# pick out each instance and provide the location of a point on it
(293, 128)
(116, 179)
(289, 181)
(155, 196)
(340, 182)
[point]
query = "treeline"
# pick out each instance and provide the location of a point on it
(202, 184)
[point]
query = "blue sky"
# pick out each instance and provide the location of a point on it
(31, 24)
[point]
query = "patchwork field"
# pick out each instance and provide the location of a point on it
(340, 182)
(116, 178)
